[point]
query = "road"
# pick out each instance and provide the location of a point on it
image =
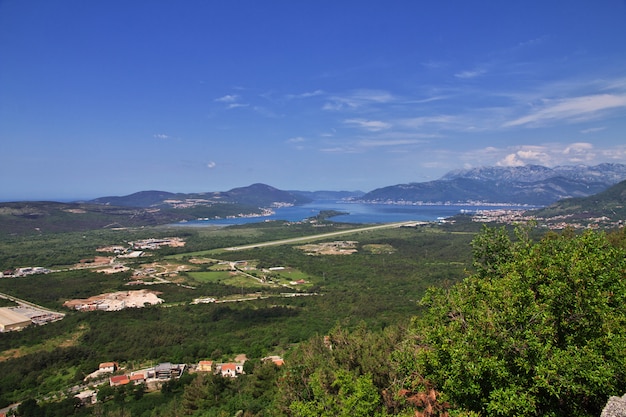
(320, 236)
(29, 304)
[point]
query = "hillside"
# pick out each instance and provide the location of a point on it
(610, 203)
(52, 217)
(256, 195)
(532, 185)
(146, 208)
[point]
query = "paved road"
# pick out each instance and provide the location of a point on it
(320, 236)
(29, 304)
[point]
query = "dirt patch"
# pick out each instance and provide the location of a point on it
(115, 301)
(340, 247)
(201, 261)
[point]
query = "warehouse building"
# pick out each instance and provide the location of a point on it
(11, 320)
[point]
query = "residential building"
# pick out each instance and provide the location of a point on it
(107, 367)
(117, 380)
(205, 366)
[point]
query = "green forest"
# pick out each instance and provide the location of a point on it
(438, 320)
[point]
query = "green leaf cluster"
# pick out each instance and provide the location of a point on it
(539, 329)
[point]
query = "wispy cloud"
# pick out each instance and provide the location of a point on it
(339, 149)
(237, 105)
(161, 136)
(211, 165)
(570, 109)
(357, 99)
(371, 125)
(232, 101)
(375, 143)
(592, 130)
(315, 93)
(470, 74)
(299, 143)
(229, 98)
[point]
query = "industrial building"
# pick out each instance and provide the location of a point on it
(11, 320)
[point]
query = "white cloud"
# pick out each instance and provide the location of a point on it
(297, 139)
(548, 154)
(357, 99)
(161, 136)
(511, 160)
(441, 122)
(527, 154)
(617, 153)
(306, 95)
(237, 105)
(371, 125)
(579, 152)
(470, 74)
(211, 165)
(592, 130)
(578, 147)
(424, 120)
(229, 98)
(338, 149)
(570, 109)
(369, 143)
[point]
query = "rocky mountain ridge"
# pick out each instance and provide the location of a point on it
(528, 185)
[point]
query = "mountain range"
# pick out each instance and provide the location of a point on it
(528, 185)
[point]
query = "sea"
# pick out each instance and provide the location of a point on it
(359, 213)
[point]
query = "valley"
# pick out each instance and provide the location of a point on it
(144, 297)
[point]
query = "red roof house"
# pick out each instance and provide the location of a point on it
(119, 380)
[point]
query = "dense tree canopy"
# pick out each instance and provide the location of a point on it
(539, 329)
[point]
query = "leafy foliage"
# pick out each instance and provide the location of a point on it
(540, 329)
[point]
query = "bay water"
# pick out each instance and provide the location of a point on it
(366, 213)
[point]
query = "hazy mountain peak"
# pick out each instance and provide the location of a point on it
(529, 184)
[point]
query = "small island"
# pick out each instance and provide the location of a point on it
(327, 214)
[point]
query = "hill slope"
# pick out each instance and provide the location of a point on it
(145, 208)
(255, 195)
(610, 203)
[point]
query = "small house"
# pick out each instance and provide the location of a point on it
(205, 366)
(137, 378)
(117, 380)
(107, 367)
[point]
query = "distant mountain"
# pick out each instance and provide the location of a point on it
(255, 195)
(606, 173)
(140, 199)
(262, 195)
(531, 184)
(610, 203)
(145, 208)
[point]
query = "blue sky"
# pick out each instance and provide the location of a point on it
(112, 97)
